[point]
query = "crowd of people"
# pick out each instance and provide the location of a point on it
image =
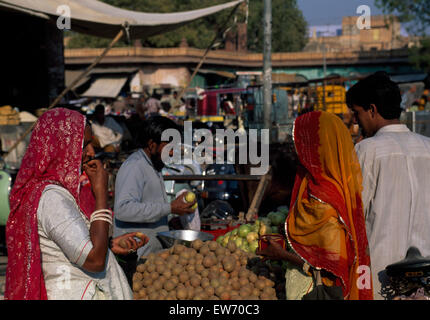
(354, 208)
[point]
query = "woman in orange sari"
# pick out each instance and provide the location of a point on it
(325, 227)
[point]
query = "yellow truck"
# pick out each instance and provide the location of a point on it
(330, 98)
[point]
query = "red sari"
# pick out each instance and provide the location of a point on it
(53, 156)
(326, 225)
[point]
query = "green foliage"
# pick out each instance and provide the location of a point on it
(288, 26)
(419, 56)
(416, 15)
(415, 12)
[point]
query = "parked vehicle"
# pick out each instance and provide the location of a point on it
(227, 191)
(409, 278)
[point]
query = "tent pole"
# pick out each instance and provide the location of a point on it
(66, 90)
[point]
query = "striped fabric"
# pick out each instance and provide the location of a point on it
(396, 196)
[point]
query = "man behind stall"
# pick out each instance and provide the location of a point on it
(107, 133)
(141, 202)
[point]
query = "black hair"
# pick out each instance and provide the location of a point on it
(153, 128)
(99, 107)
(377, 89)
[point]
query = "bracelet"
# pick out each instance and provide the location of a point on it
(101, 215)
(108, 216)
(102, 219)
(103, 210)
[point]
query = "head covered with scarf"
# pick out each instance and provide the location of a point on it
(326, 225)
(53, 156)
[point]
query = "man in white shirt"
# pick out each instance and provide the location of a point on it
(396, 176)
(107, 132)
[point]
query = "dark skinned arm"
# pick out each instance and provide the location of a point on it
(99, 230)
(274, 251)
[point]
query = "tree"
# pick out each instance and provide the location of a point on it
(289, 26)
(416, 11)
(416, 15)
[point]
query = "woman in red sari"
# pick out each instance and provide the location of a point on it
(325, 227)
(57, 228)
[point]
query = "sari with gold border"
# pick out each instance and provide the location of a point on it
(325, 226)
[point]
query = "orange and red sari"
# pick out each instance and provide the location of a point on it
(326, 225)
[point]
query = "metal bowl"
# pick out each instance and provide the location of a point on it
(184, 237)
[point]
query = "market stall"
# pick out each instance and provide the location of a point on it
(219, 263)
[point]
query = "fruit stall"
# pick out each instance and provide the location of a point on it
(194, 266)
(219, 264)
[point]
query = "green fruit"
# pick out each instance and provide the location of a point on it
(194, 207)
(238, 242)
(244, 246)
(235, 231)
(252, 236)
(225, 240)
(255, 227)
(220, 239)
(253, 246)
(244, 230)
(275, 229)
(277, 218)
(283, 209)
(266, 221)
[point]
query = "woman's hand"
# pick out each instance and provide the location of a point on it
(274, 251)
(127, 244)
(98, 177)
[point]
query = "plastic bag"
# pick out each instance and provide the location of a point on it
(190, 221)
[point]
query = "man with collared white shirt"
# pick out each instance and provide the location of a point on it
(396, 176)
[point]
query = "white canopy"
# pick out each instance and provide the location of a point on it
(105, 87)
(103, 20)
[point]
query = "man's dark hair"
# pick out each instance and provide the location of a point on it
(99, 108)
(153, 128)
(377, 89)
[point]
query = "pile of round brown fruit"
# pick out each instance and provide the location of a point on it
(203, 271)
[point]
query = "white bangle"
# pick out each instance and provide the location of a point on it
(103, 210)
(102, 219)
(100, 215)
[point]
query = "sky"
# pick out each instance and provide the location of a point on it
(325, 12)
(330, 12)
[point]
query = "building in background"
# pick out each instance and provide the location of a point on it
(385, 34)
